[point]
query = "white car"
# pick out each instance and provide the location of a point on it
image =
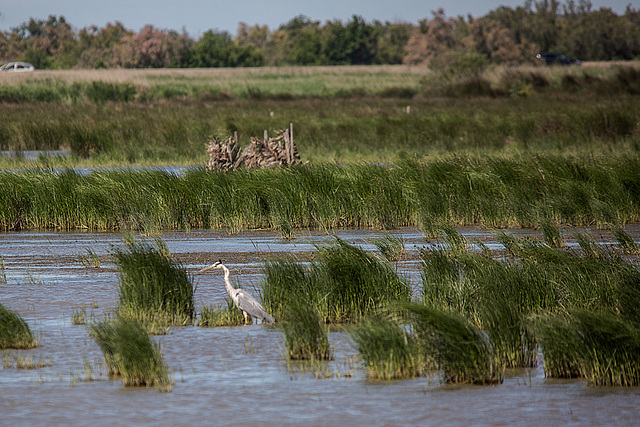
(18, 67)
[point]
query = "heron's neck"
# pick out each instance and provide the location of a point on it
(227, 282)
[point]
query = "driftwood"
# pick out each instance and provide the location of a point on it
(269, 152)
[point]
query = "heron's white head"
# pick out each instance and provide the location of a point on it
(217, 264)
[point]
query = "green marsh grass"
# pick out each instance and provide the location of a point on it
(432, 193)
(130, 354)
(457, 347)
(391, 247)
(344, 283)
(14, 331)
(19, 361)
(153, 288)
(625, 241)
(347, 130)
(222, 315)
(80, 317)
(599, 347)
(306, 335)
(388, 350)
(498, 295)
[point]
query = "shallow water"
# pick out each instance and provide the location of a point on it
(238, 375)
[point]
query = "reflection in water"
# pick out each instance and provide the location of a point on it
(239, 375)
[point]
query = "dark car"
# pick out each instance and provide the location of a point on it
(551, 58)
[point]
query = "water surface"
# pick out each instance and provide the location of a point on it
(238, 375)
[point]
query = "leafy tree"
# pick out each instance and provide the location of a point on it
(362, 44)
(335, 44)
(219, 50)
(434, 38)
(392, 42)
(48, 43)
(97, 44)
(152, 48)
(212, 50)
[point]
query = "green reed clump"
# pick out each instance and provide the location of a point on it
(499, 295)
(343, 284)
(357, 282)
(14, 331)
(624, 240)
(457, 346)
(391, 247)
(600, 347)
(492, 294)
(306, 335)
(388, 350)
(433, 193)
(152, 287)
(222, 316)
(551, 234)
(556, 337)
(130, 354)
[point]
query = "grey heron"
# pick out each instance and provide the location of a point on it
(243, 300)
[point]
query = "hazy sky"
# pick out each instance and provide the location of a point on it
(198, 16)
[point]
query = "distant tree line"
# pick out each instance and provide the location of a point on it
(504, 35)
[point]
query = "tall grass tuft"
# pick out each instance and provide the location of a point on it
(551, 234)
(498, 295)
(433, 194)
(344, 283)
(458, 347)
(222, 316)
(388, 350)
(152, 287)
(130, 354)
(555, 335)
(306, 336)
(624, 240)
(358, 283)
(391, 247)
(600, 347)
(14, 331)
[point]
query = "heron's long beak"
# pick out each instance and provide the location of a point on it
(212, 266)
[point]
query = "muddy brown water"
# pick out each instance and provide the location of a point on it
(238, 375)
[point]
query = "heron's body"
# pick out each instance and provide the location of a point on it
(243, 300)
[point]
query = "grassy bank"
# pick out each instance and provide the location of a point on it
(491, 191)
(368, 114)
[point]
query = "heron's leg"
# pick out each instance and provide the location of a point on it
(246, 321)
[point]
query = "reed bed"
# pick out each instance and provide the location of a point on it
(343, 284)
(365, 127)
(306, 335)
(499, 296)
(458, 348)
(388, 350)
(492, 191)
(152, 287)
(14, 331)
(600, 347)
(130, 354)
